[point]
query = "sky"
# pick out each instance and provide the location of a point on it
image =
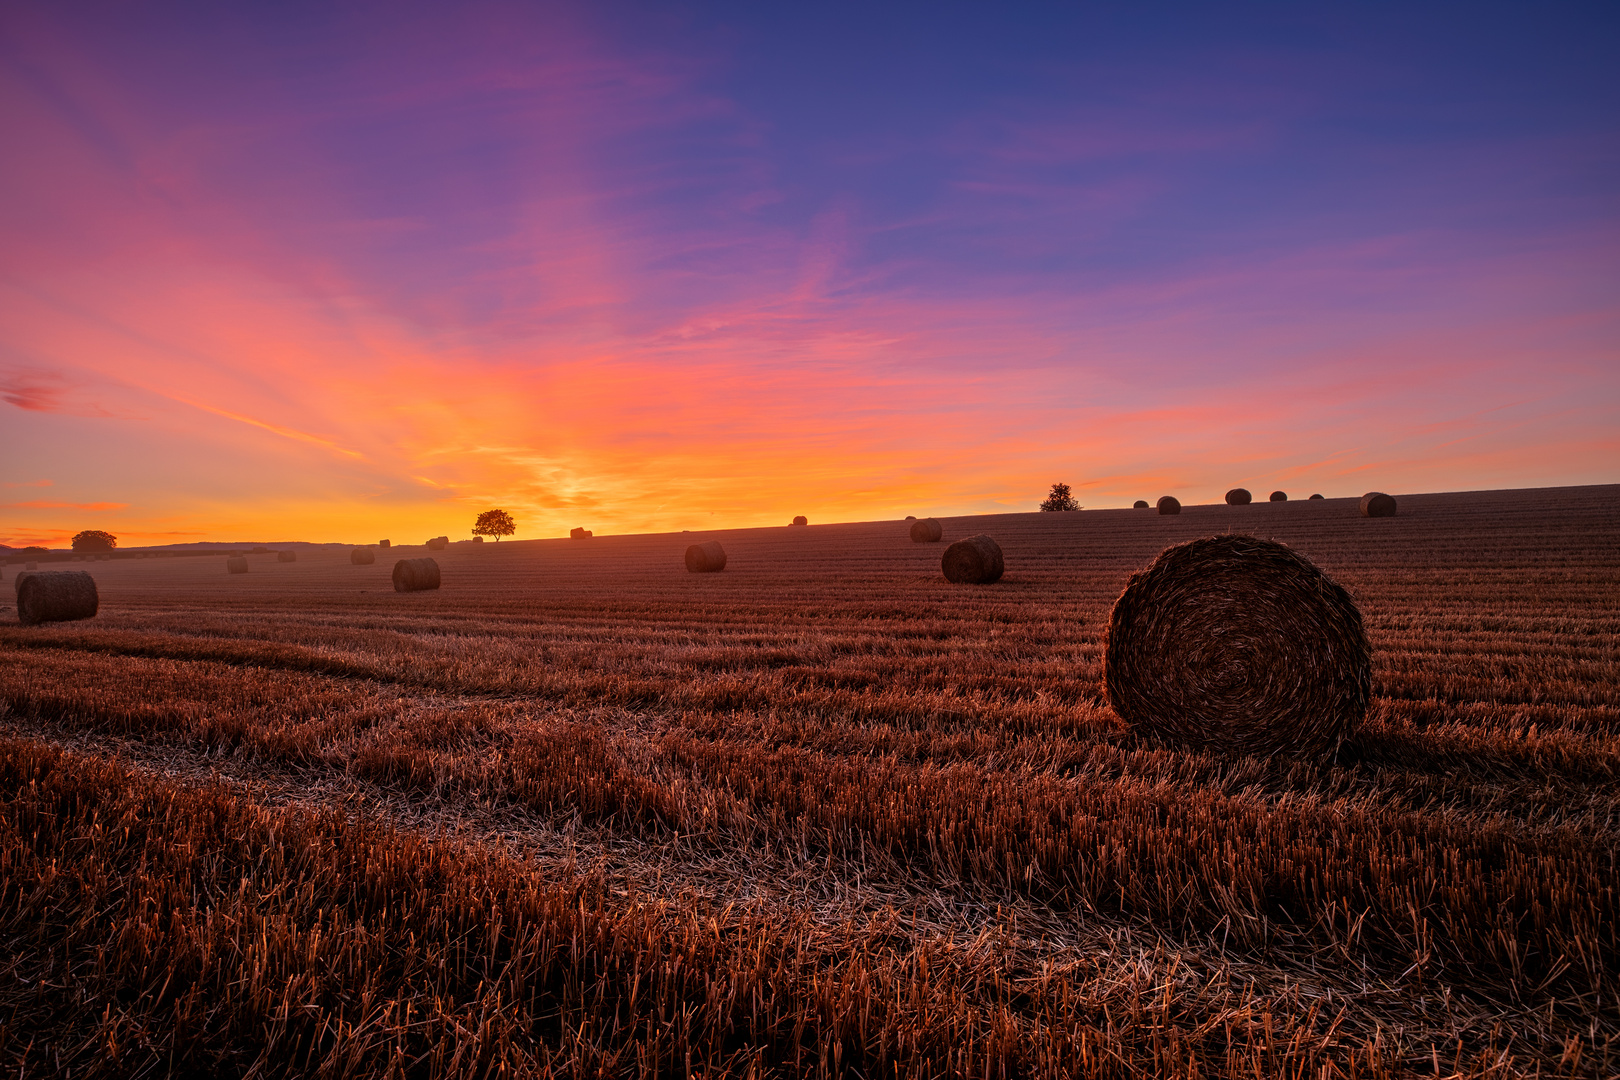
(336, 272)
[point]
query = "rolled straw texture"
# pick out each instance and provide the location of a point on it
(416, 575)
(22, 576)
(286, 556)
(236, 564)
(1238, 497)
(56, 596)
(1237, 644)
(927, 531)
(1279, 496)
(974, 561)
(801, 520)
(362, 556)
(1139, 504)
(1169, 504)
(438, 543)
(1377, 504)
(706, 558)
(1313, 498)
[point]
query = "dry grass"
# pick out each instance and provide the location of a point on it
(582, 812)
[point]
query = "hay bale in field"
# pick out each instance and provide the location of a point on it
(383, 543)
(801, 520)
(706, 558)
(911, 517)
(1169, 504)
(362, 556)
(56, 596)
(236, 564)
(1237, 644)
(286, 556)
(438, 543)
(1238, 497)
(261, 550)
(579, 534)
(1313, 498)
(974, 561)
(22, 576)
(1279, 496)
(1377, 504)
(927, 531)
(416, 575)
(1139, 504)
(31, 566)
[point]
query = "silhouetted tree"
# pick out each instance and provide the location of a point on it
(496, 523)
(1060, 499)
(94, 540)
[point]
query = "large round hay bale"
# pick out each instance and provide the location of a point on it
(801, 520)
(22, 576)
(382, 543)
(286, 556)
(438, 543)
(1279, 496)
(56, 596)
(974, 561)
(911, 517)
(1313, 498)
(1377, 504)
(415, 575)
(236, 564)
(706, 558)
(1238, 497)
(362, 556)
(927, 531)
(1169, 504)
(1237, 644)
(1139, 504)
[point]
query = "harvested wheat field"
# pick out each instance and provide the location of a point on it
(581, 812)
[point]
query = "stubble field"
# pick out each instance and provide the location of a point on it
(580, 812)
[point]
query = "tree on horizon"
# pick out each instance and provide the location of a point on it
(1060, 499)
(496, 523)
(94, 540)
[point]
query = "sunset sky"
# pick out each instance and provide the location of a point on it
(335, 272)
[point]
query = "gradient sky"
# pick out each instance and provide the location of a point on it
(338, 272)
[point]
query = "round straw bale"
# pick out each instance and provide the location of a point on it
(415, 575)
(437, 543)
(22, 576)
(927, 531)
(706, 558)
(382, 543)
(578, 533)
(1238, 497)
(236, 564)
(31, 566)
(1377, 504)
(1279, 496)
(362, 556)
(56, 596)
(286, 556)
(911, 517)
(974, 561)
(1313, 498)
(1139, 504)
(1237, 644)
(801, 520)
(1169, 504)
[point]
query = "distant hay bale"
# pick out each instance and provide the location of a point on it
(974, 561)
(438, 543)
(286, 556)
(259, 551)
(579, 534)
(1237, 644)
(1139, 504)
(1377, 504)
(1313, 498)
(236, 564)
(1279, 496)
(911, 517)
(801, 520)
(56, 596)
(706, 558)
(416, 575)
(362, 556)
(927, 531)
(1238, 497)
(1169, 504)
(31, 566)
(382, 543)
